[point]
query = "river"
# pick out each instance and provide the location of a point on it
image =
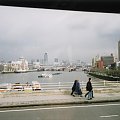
(33, 76)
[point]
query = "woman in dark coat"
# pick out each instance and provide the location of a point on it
(73, 87)
(76, 88)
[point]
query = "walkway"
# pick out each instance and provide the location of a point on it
(56, 97)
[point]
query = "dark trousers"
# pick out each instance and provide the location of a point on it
(72, 92)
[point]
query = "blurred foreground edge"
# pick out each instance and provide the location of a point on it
(104, 6)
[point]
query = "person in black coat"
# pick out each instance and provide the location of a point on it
(89, 89)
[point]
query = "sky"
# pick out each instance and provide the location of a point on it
(68, 35)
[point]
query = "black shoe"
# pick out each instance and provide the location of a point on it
(89, 98)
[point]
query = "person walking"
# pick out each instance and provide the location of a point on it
(89, 89)
(73, 87)
(76, 88)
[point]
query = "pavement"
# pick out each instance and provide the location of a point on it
(53, 97)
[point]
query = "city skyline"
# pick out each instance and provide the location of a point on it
(67, 35)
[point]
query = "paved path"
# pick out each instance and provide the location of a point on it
(15, 99)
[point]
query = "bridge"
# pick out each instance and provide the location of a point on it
(107, 6)
(99, 86)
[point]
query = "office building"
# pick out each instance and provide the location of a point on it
(45, 59)
(119, 50)
(107, 60)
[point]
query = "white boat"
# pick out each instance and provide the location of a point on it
(20, 71)
(45, 75)
(5, 86)
(36, 85)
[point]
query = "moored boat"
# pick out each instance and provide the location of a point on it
(45, 75)
(56, 73)
(20, 71)
(36, 85)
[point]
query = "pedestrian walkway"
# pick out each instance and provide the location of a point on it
(56, 97)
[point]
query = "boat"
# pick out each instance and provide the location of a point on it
(45, 75)
(5, 86)
(20, 71)
(56, 73)
(18, 87)
(36, 85)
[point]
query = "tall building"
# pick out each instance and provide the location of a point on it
(119, 50)
(107, 60)
(46, 59)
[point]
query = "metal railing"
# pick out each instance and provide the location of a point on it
(68, 85)
(59, 86)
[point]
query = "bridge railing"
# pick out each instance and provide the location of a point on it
(58, 86)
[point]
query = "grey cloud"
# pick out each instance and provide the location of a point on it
(63, 34)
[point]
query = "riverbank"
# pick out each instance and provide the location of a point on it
(7, 72)
(104, 77)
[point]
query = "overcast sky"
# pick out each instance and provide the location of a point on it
(73, 35)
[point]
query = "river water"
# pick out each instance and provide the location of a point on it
(33, 76)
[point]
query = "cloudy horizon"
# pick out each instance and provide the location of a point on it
(71, 35)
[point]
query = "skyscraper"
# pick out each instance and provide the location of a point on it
(45, 59)
(119, 50)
